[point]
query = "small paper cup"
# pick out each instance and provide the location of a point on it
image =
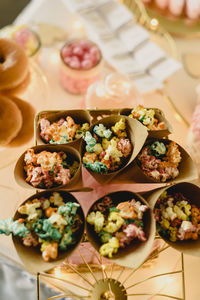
(32, 256)
(192, 193)
(133, 255)
(72, 154)
(159, 115)
(79, 116)
(186, 167)
(137, 134)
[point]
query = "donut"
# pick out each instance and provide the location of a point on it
(13, 64)
(10, 120)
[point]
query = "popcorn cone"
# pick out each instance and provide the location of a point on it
(134, 254)
(31, 257)
(72, 154)
(137, 134)
(192, 193)
(187, 168)
(79, 116)
(159, 115)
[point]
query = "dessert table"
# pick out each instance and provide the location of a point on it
(46, 93)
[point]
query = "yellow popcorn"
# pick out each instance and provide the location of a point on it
(121, 125)
(31, 210)
(113, 152)
(105, 143)
(97, 148)
(184, 205)
(169, 213)
(165, 223)
(180, 214)
(96, 219)
(173, 233)
(56, 199)
(115, 221)
(109, 248)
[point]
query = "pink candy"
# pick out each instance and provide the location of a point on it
(81, 55)
(81, 66)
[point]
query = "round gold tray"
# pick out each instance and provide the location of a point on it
(177, 26)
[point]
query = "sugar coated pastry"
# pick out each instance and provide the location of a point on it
(177, 218)
(13, 64)
(107, 148)
(159, 160)
(10, 120)
(117, 225)
(63, 131)
(147, 117)
(54, 228)
(48, 169)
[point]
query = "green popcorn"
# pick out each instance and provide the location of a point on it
(90, 140)
(89, 148)
(19, 229)
(97, 167)
(46, 231)
(67, 239)
(158, 149)
(9, 226)
(6, 226)
(102, 131)
(81, 131)
(104, 236)
(68, 211)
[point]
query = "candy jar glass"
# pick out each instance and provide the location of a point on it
(113, 91)
(81, 64)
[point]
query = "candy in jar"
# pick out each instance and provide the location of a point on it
(81, 63)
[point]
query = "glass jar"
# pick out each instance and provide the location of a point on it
(113, 91)
(26, 37)
(77, 69)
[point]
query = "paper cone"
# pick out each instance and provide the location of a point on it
(136, 253)
(160, 117)
(137, 133)
(192, 193)
(79, 116)
(72, 154)
(187, 168)
(31, 256)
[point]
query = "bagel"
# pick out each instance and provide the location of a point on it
(13, 64)
(10, 120)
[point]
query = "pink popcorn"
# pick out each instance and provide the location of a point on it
(132, 231)
(124, 145)
(30, 240)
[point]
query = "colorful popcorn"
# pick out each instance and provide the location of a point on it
(117, 226)
(147, 116)
(160, 160)
(54, 229)
(107, 149)
(48, 169)
(63, 131)
(177, 219)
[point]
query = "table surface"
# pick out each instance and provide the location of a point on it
(180, 87)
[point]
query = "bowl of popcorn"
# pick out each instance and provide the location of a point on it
(177, 215)
(111, 144)
(46, 228)
(163, 160)
(121, 227)
(26, 37)
(152, 118)
(62, 127)
(48, 167)
(81, 64)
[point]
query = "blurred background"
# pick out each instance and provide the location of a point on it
(9, 9)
